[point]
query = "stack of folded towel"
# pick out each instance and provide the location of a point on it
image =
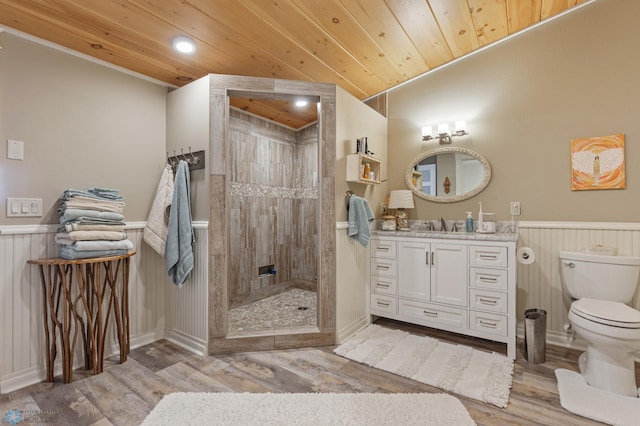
(92, 224)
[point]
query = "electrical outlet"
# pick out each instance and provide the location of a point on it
(515, 208)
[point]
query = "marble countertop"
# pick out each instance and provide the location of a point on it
(505, 231)
(501, 236)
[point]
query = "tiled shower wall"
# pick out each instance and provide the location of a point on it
(273, 203)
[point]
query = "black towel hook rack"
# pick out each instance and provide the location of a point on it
(195, 160)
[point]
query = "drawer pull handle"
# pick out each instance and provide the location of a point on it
(430, 313)
(488, 324)
(383, 267)
(486, 301)
(383, 304)
(485, 279)
(383, 285)
(488, 257)
(381, 248)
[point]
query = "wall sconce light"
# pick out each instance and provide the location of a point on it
(443, 132)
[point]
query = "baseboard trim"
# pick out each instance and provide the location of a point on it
(188, 342)
(350, 329)
(20, 379)
(33, 375)
(565, 340)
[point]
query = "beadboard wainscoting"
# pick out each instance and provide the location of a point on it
(157, 308)
(540, 283)
(187, 308)
(352, 262)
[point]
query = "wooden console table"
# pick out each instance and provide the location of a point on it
(91, 291)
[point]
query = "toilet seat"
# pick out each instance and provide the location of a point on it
(605, 312)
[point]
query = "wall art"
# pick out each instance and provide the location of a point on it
(598, 163)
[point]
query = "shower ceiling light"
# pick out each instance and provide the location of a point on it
(301, 103)
(184, 44)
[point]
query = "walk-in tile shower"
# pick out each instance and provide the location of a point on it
(272, 235)
(273, 229)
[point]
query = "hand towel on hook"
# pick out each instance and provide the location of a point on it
(360, 218)
(180, 237)
(155, 231)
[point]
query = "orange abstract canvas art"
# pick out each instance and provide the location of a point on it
(598, 163)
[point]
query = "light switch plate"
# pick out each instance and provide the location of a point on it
(24, 207)
(15, 149)
(515, 208)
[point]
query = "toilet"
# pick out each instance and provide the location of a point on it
(601, 287)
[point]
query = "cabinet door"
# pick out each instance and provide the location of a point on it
(449, 274)
(413, 269)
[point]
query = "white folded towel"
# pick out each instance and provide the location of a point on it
(101, 245)
(93, 227)
(70, 237)
(155, 231)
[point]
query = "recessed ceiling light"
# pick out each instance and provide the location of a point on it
(184, 45)
(301, 103)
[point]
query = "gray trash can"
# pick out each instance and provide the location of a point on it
(535, 335)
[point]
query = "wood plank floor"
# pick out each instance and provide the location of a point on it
(125, 393)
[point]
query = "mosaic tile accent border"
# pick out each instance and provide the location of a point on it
(265, 191)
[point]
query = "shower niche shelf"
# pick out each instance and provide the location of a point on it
(355, 164)
(266, 271)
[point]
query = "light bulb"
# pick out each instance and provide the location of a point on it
(184, 45)
(443, 128)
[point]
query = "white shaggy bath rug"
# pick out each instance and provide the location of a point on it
(586, 401)
(459, 369)
(244, 409)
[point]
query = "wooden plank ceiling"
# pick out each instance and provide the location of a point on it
(364, 46)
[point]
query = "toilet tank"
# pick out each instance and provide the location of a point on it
(601, 277)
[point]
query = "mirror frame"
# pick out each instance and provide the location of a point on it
(486, 167)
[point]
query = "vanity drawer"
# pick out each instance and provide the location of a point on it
(383, 248)
(488, 300)
(384, 267)
(430, 314)
(488, 256)
(488, 323)
(384, 285)
(384, 304)
(491, 279)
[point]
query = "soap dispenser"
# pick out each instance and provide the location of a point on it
(469, 223)
(479, 225)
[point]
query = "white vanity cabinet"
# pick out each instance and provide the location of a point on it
(464, 285)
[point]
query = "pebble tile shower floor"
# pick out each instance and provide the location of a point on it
(292, 308)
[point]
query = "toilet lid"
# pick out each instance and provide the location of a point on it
(606, 312)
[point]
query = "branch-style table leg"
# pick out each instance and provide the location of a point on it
(82, 299)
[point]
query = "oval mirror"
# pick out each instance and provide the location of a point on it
(448, 175)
